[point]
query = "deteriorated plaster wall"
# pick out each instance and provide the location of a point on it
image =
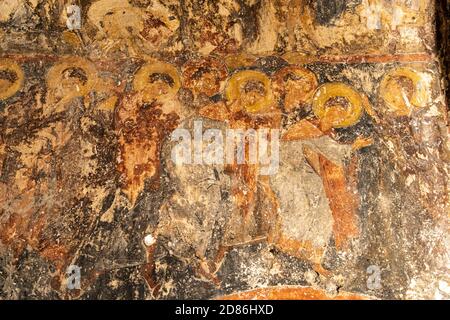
(355, 86)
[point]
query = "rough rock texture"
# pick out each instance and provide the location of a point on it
(358, 208)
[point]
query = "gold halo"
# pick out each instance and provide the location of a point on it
(233, 89)
(13, 87)
(303, 73)
(395, 99)
(334, 90)
(141, 78)
(55, 75)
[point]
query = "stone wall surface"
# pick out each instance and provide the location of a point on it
(92, 91)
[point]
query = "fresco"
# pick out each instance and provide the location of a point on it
(340, 188)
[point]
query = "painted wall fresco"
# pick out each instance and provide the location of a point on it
(357, 208)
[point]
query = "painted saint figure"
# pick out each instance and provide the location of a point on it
(144, 118)
(316, 201)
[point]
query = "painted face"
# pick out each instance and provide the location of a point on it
(404, 90)
(252, 89)
(11, 78)
(71, 77)
(337, 105)
(157, 81)
(296, 85)
(204, 76)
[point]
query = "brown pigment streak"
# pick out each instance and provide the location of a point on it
(383, 58)
(351, 59)
(291, 293)
(342, 202)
